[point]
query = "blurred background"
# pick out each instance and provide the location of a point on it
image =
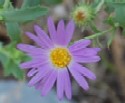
(110, 71)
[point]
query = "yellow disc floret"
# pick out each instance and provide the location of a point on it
(60, 57)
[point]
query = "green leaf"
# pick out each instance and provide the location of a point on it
(23, 15)
(52, 2)
(109, 9)
(110, 21)
(13, 30)
(119, 10)
(28, 3)
(13, 69)
(11, 58)
(3, 58)
(1, 2)
(120, 14)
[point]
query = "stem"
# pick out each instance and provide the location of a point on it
(6, 4)
(98, 42)
(99, 34)
(111, 38)
(99, 6)
(94, 28)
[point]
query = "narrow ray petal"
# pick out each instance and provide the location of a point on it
(79, 78)
(39, 85)
(42, 73)
(32, 64)
(36, 39)
(49, 83)
(60, 84)
(52, 29)
(30, 49)
(67, 83)
(69, 32)
(32, 72)
(89, 59)
(85, 72)
(86, 52)
(43, 36)
(41, 57)
(79, 45)
(60, 33)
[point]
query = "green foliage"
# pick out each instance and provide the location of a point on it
(52, 2)
(116, 18)
(119, 13)
(23, 15)
(1, 3)
(116, 7)
(12, 16)
(11, 58)
(28, 3)
(12, 32)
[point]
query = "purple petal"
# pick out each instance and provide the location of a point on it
(42, 57)
(67, 83)
(49, 83)
(79, 78)
(69, 32)
(60, 33)
(89, 59)
(42, 73)
(85, 72)
(43, 36)
(86, 52)
(32, 64)
(60, 84)
(32, 72)
(40, 84)
(30, 49)
(79, 45)
(52, 29)
(36, 39)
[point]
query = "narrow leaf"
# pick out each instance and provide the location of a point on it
(13, 30)
(23, 15)
(28, 3)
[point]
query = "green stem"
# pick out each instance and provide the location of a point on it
(99, 6)
(94, 28)
(98, 42)
(6, 4)
(99, 34)
(111, 38)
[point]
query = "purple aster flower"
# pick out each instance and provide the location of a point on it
(53, 60)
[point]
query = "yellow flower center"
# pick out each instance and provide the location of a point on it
(60, 57)
(80, 16)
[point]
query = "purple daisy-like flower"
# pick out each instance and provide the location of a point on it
(53, 60)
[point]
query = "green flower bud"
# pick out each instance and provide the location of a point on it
(83, 14)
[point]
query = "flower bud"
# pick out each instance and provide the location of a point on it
(83, 14)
